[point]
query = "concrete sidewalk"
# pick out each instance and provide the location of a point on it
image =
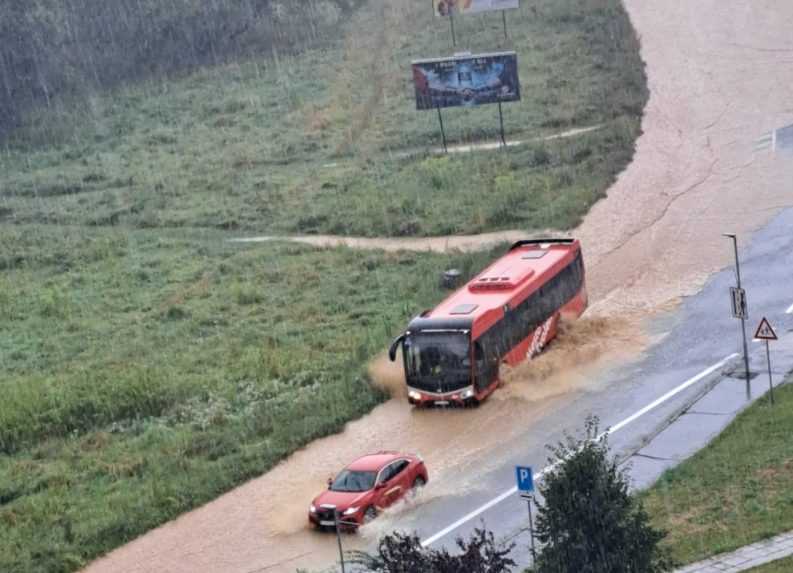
(709, 411)
(701, 420)
(746, 557)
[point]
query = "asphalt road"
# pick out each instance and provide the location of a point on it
(701, 342)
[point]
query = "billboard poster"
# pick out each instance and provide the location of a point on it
(447, 7)
(466, 80)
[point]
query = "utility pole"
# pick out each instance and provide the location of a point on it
(743, 318)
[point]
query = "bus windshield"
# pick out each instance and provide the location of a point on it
(437, 354)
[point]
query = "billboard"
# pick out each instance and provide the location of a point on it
(447, 7)
(466, 80)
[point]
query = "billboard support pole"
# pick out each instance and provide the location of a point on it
(443, 132)
(504, 20)
(451, 23)
(501, 122)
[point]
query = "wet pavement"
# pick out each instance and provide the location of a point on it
(701, 333)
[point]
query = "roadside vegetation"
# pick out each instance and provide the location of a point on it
(587, 519)
(146, 364)
(736, 491)
(143, 374)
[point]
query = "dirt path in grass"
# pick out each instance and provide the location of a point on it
(721, 78)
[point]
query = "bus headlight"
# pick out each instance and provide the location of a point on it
(413, 395)
(465, 394)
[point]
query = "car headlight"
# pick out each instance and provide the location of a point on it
(414, 395)
(312, 509)
(467, 394)
(351, 510)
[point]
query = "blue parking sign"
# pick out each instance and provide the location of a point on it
(525, 479)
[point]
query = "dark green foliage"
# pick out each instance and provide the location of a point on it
(402, 553)
(588, 521)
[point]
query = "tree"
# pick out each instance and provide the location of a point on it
(588, 521)
(403, 553)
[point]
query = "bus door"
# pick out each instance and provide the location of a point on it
(485, 365)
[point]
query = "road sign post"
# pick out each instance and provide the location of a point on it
(743, 318)
(525, 478)
(770, 382)
(336, 521)
(766, 332)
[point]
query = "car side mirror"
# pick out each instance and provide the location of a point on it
(392, 352)
(330, 482)
(380, 485)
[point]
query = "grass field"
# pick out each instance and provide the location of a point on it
(736, 491)
(147, 365)
(144, 375)
(329, 140)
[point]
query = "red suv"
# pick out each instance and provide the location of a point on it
(366, 486)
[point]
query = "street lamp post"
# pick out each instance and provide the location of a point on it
(743, 318)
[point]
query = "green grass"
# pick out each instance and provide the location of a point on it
(329, 141)
(144, 374)
(781, 566)
(736, 491)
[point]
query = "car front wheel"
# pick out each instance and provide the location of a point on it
(369, 514)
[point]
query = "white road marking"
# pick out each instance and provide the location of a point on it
(617, 427)
(789, 310)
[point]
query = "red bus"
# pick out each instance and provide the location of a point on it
(507, 313)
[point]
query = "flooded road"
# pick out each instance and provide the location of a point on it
(721, 76)
(262, 525)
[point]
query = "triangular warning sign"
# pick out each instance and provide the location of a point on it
(764, 331)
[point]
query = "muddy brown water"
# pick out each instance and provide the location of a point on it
(262, 525)
(720, 75)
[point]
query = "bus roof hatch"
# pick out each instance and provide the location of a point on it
(501, 279)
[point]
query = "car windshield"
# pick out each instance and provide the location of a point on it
(437, 353)
(353, 481)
